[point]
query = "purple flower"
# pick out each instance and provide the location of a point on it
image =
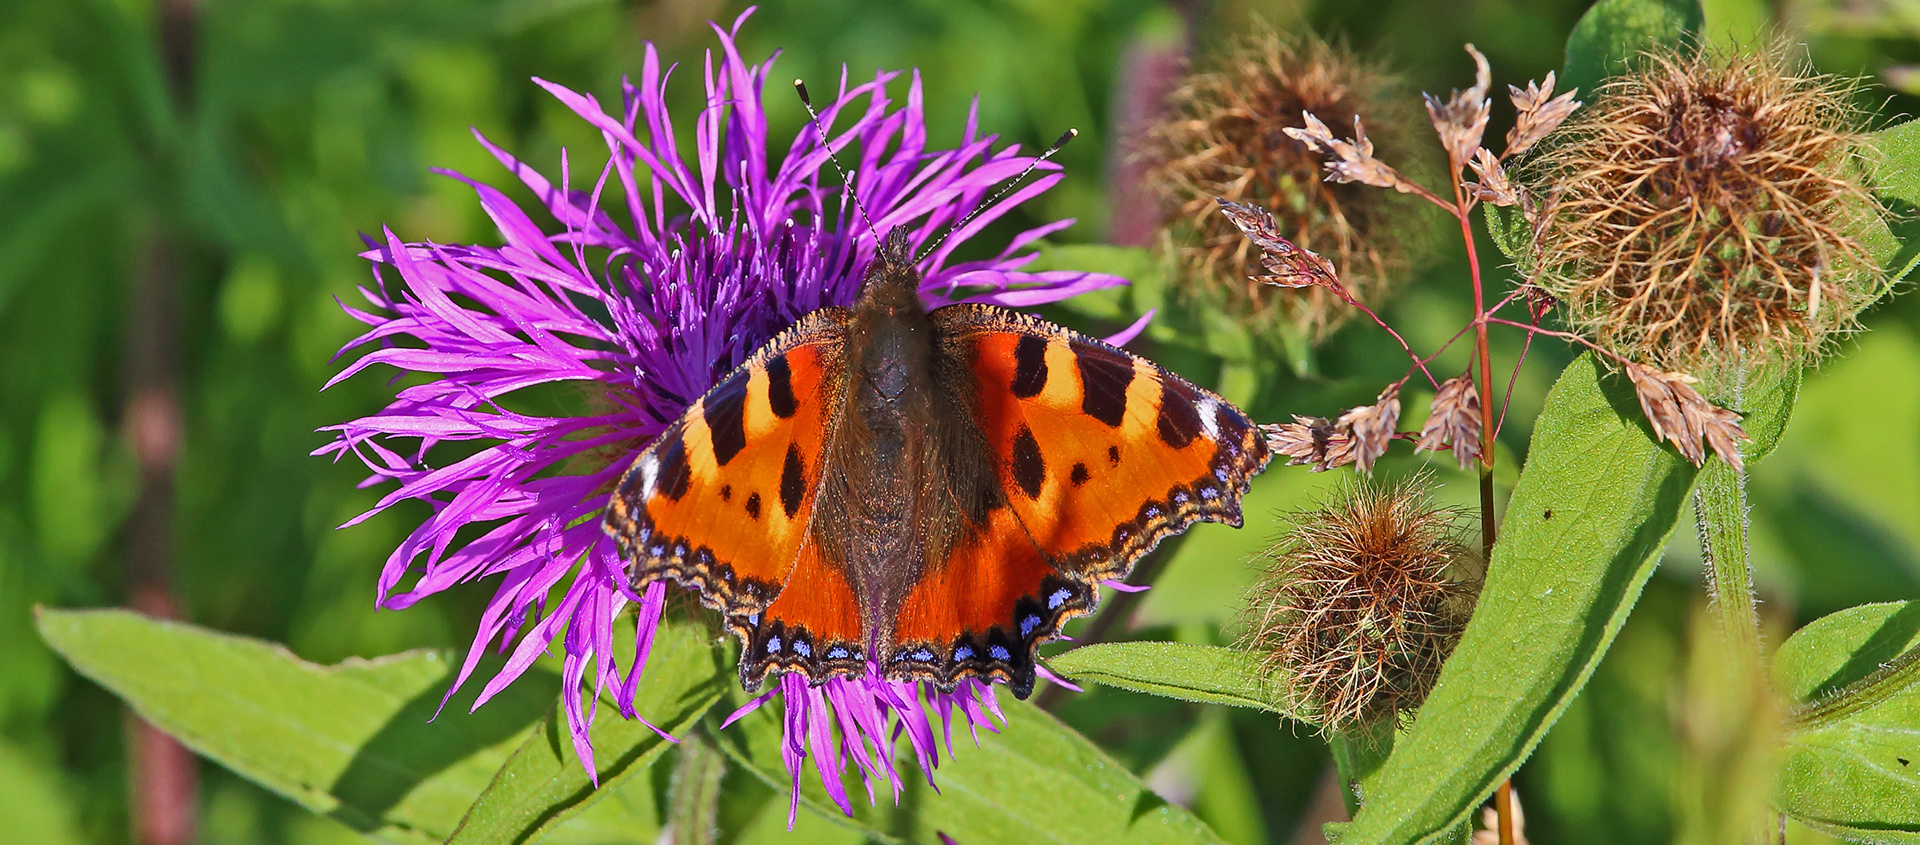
(662, 271)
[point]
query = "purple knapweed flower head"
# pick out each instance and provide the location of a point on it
(659, 273)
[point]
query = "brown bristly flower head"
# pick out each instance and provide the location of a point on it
(1708, 212)
(1678, 413)
(1453, 421)
(1225, 138)
(1363, 599)
(1461, 119)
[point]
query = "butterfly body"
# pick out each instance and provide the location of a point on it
(931, 492)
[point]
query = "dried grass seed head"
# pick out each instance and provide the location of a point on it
(1364, 598)
(1224, 137)
(1709, 212)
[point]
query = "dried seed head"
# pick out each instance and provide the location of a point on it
(1225, 138)
(1462, 119)
(1311, 440)
(1708, 213)
(1680, 414)
(1349, 161)
(1363, 599)
(1372, 427)
(1494, 186)
(1453, 421)
(1536, 114)
(1288, 266)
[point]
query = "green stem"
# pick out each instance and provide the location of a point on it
(1358, 754)
(1720, 511)
(693, 796)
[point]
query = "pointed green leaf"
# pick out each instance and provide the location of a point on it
(1898, 175)
(1034, 780)
(1588, 519)
(1200, 673)
(1612, 32)
(1852, 765)
(351, 741)
(543, 784)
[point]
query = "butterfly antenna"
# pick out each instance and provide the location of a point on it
(1066, 136)
(807, 101)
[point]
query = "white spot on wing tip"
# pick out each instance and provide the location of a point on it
(649, 475)
(1209, 412)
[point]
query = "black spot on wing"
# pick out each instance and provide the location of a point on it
(726, 492)
(780, 388)
(1029, 468)
(792, 481)
(675, 475)
(1080, 474)
(1179, 422)
(1113, 455)
(753, 506)
(1030, 366)
(724, 411)
(1103, 378)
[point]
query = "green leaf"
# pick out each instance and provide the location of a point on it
(1852, 766)
(1508, 228)
(1896, 179)
(1200, 673)
(1898, 175)
(351, 741)
(1612, 32)
(1588, 519)
(543, 784)
(1035, 780)
(1765, 406)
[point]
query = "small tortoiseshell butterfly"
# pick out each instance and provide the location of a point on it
(935, 492)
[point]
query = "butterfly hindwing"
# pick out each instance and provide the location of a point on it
(721, 502)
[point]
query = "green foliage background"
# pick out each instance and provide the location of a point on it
(310, 121)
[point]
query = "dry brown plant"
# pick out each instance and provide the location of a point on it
(1226, 139)
(1705, 213)
(1363, 599)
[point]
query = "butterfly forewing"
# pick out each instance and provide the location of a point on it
(721, 502)
(1102, 453)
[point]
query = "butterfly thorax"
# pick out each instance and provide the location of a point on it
(882, 511)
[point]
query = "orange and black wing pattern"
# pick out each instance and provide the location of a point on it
(1100, 454)
(722, 503)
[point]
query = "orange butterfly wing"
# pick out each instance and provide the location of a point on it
(721, 502)
(1100, 454)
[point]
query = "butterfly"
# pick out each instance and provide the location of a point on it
(931, 492)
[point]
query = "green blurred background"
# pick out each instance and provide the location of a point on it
(237, 185)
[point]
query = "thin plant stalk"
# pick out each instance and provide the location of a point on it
(1720, 512)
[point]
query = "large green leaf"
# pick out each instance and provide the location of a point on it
(1201, 673)
(1852, 765)
(543, 784)
(1896, 179)
(1612, 32)
(1035, 780)
(351, 741)
(1594, 507)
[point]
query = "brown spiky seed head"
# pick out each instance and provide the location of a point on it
(1364, 598)
(1709, 210)
(1224, 137)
